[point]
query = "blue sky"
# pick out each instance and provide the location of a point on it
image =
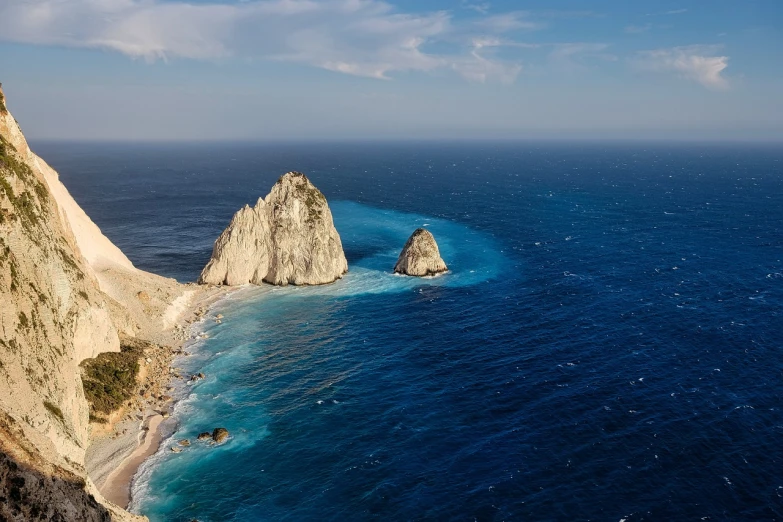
(394, 69)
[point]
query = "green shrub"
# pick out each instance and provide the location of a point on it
(110, 379)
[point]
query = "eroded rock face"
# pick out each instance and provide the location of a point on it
(53, 315)
(286, 238)
(420, 256)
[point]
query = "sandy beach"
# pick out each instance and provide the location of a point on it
(117, 486)
(133, 434)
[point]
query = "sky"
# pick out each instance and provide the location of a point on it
(140, 70)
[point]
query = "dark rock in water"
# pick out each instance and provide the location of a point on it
(219, 435)
(204, 436)
(184, 442)
(420, 256)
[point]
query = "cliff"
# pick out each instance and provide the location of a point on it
(420, 256)
(286, 238)
(67, 293)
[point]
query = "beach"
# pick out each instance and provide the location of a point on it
(133, 434)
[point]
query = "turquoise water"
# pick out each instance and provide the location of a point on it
(264, 332)
(608, 344)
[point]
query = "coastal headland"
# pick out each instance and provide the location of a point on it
(86, 346)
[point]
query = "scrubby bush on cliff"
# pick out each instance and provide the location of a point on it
(110, 379)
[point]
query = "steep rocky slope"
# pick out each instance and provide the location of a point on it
(56, 273)
(287, 238)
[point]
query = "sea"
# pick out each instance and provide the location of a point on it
(607, 344)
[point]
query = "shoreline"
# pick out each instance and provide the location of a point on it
(117, 488)
(118, 450)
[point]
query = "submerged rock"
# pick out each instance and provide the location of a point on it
(420, 256)
(219, 435)
(286, 238)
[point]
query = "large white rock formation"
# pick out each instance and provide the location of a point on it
(420, 256)
(286, 238)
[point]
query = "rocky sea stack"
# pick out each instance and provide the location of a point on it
(286, 238)
(420, 256)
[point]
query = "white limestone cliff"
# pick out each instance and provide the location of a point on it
(420, 256)
(287, 238)
(56, 271)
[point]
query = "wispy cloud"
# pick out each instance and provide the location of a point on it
(637, 29)
(506, 22)
(668, 13)
(482, 65)
(368, 38)
(700, 63)
(481, 8)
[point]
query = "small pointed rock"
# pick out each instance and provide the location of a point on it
(420, 256)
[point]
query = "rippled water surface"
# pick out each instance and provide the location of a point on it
(608, 344)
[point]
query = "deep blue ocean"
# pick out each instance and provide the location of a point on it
(608, 344)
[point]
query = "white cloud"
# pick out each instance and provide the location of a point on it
(360, 37)
(482, 8)
(480, 68)
(700, 63)
(369, 38)
(506, 22)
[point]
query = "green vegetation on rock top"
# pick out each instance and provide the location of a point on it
(110, 379)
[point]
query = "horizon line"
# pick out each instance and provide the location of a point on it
(440, 140)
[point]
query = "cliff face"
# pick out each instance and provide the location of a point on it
(241, 253)
(287, 238)
(420, 256)
(53, 315)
